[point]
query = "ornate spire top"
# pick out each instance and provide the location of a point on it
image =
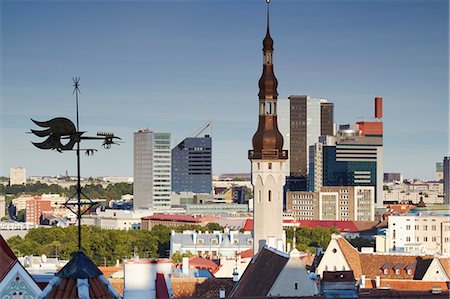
(268, 41)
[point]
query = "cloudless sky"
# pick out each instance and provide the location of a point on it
(171, 65)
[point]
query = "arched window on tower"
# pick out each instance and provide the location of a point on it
(269, 107)
(269, 195)
(259, 196)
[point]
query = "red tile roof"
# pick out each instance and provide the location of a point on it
(341, 225)
(179, 218)
(248, 226)
(65, 283)
(7, 258)
(246, 253)
(201, 263)
(261, 273)
(372, 265)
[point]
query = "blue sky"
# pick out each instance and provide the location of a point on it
(171, 65)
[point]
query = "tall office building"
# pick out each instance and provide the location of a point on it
(268, 160)
(305, 120)
(17, 176)
(355, 156)
(152, 170)
(446, 180)
(191, 165)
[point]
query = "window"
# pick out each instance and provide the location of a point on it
(397, 271)
(433, 227)
(425, 227)
(409, 271)
(214, 241)
(270, 165)
(425, 239)
(200, 241)
(408, 227)
(296, 286)
(408, 239)
(270, 195)
(386, 271)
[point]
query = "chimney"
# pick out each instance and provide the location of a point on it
(222, 293)
(185, 269)
(378, 107)
(362, 281)
(377, 281)
(235, 275)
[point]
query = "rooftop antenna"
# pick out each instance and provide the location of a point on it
(63, 135)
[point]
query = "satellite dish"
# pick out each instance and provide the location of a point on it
(26, 261)
(44, 258)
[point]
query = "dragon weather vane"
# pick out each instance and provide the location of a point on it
(62, 135)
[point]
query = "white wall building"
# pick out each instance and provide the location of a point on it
(17, 176)
(152, 170)
(419, 234)
(211, 244)
(116, 219)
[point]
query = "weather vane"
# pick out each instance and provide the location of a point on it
(62, 135)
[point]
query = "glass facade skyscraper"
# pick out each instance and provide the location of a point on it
(152, 175)
(191, 165)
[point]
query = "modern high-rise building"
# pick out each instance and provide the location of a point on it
(152, 170)
(446, 180)
(302, 120)
(191, 165)
(17, 176)
(268, 160)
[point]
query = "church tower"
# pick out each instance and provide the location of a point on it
(268, 159)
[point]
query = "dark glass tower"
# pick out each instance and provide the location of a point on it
(191, 165)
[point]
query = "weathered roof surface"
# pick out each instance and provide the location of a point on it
(445, 262)
(373, 265)
(79, 275)
(80, 266)
(261, 273)
(7, 258)
(352, 256)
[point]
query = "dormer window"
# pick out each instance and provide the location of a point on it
(386, 267)
(386, 271)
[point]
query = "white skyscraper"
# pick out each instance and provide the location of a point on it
(152, 170)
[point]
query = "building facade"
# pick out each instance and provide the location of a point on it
(152, 170)
(333, 203)
(17, 176)
(35, 207)
(268, 159)
(191, 165)
(211, 244)
(419, 234)
(446, 180)
(302, 121)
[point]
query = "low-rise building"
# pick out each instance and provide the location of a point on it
(211, 244)
(173, 220)
(116, 219)
(333, 203)
(404, 271)
(419, 234)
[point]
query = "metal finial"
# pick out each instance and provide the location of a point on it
(76, 85)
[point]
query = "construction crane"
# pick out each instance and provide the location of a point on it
(200, 130)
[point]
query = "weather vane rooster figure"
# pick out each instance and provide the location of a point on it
(62, 135)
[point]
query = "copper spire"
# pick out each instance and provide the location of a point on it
(268, 141)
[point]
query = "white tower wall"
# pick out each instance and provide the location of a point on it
(268, 179)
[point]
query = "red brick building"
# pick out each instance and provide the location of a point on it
(34, 209)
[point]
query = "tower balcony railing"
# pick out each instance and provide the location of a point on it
(272, 154)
